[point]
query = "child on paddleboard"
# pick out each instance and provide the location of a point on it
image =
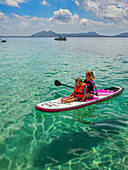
(90, 84)
(78, 94)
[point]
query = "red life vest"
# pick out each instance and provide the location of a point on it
(79, 91)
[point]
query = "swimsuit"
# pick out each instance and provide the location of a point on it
(90, 85)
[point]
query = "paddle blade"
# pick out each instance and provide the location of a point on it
(57, 83)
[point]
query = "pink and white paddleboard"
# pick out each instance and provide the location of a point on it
(57, 106)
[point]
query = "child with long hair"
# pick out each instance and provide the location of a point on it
(90, 84)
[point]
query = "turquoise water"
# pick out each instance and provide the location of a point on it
(94, 137)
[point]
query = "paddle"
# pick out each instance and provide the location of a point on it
(58, 83)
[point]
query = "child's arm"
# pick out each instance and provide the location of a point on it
(94, 85)
(71, 94)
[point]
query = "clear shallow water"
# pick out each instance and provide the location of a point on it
(94, 137)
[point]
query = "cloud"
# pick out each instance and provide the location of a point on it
(64, 16)
(63, 21)
(45, 3)
(13, 3)
(110, 10)
(2, 17)
(20, 25)
(88, 22)
(77, 3)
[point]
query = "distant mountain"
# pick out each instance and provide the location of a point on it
(88, 34)
(122, 35)
(53, 34)
(45, 34)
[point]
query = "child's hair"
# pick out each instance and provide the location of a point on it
(78, 79)
(90, 74)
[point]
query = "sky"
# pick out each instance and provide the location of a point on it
(26, 17)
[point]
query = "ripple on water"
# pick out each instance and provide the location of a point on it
(94, 137)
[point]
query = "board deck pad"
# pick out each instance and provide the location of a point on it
(57, 106)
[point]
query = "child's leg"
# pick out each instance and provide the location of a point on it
(68, 100)
(89, 95)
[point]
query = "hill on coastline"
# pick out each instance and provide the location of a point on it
(53, 34)
(45, 34)
(88, 34)
(122, 35)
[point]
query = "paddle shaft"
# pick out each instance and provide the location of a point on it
(67, 85)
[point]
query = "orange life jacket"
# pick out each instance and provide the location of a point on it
(79, 91)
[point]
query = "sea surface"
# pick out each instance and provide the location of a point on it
(93, 137)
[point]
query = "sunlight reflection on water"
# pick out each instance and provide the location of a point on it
(86, 138)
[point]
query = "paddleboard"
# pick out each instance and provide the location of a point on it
(57, 106)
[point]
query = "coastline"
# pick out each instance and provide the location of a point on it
(66, 36)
